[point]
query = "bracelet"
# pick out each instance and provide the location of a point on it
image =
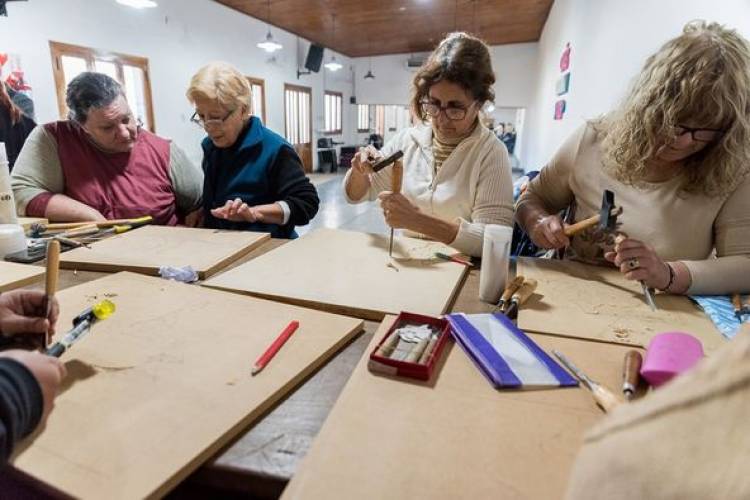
(671, 278)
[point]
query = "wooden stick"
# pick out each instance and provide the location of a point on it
(51, 278)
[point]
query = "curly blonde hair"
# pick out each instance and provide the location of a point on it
(701, 78)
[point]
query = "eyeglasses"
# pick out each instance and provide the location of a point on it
(699, 134)
(211, 122)
(451, 112)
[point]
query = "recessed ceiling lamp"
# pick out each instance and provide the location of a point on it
(269, 44)
(138, 4)
(333, 64)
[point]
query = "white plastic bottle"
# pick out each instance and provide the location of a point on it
(7, 203)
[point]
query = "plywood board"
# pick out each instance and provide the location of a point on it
(14, 275)
(145, 249)
(598, 303)
(454, 437)
(158, 388)
(349, 273)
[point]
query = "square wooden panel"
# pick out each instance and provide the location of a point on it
(350, 273)
(145, 249)
(160, 386)
(17, 275)
(598, 303)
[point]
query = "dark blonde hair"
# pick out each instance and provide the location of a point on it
(700, 79)
(7, 103)
(461, 59)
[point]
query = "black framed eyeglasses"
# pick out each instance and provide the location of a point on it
(453, 113)
(211, 122)
(699, 134)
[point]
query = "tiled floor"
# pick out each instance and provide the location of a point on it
(336, 213)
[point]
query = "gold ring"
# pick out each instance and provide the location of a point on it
(633, 263)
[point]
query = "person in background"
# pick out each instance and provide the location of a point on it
(15, 125)
(29, 381)
(456, 172)
(676, 153)
(254, 179)
(99, 164)
(509, 138)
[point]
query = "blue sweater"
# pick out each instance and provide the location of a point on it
(260, 168)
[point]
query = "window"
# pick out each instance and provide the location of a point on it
(380, 120)
(257, 97)
(363, 117)
(333, 112)
(298, 121)
(68, 61)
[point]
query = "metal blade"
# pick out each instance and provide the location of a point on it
(390, 245)
(573, 368)
(649, 296)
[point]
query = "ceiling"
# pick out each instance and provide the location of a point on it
(376, 27)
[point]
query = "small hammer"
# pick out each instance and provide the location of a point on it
(606, 218)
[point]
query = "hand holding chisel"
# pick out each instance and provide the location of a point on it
(519, 297)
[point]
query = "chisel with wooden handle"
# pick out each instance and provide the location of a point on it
(631, 371)
(518, 298)
(606, 399)
(51, 276)
(510, 289)
(397, 176)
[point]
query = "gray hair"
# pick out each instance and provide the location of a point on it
(90, 90)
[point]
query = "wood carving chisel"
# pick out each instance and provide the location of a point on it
(50, 277)
(396, 177)
(631, 372)
(519, 297)
(606, 399)
(510, 289)
(387, 161)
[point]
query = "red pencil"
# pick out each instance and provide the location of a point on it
(274, 348)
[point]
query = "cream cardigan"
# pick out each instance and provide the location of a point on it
(473, 187)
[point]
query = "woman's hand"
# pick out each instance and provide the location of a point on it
(638, 261)
(399, 212)
(364, 159)
(22, 311)
(237, 211)
(547, 232)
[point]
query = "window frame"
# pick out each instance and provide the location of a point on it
(91, 55)
(366, 107)
(262, 84)
(337, 97)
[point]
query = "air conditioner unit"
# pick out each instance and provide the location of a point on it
(415, 62)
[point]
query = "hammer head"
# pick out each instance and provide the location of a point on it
(608, 213)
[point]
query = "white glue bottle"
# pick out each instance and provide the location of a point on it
(7, 203)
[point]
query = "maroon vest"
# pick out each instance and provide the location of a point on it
(119, 185)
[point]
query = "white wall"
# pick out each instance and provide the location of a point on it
(611, 40)
(177, 37)
(515, 66)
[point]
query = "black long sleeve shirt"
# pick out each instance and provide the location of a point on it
(21, 404)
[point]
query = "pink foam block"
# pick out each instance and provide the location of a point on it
(668, 355)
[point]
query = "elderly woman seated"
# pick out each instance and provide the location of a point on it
(253, 178)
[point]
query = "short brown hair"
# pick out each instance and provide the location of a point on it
(461, 59)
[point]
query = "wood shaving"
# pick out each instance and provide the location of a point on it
(392, 266)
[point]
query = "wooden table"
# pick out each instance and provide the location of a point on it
(261, 462)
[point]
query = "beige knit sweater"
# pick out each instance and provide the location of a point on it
(711, 235)
(473, 186)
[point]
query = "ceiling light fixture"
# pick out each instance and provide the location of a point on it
(333, 64)
(138, 4)
(369, 71)
(269, 44)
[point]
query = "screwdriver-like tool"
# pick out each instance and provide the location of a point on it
(397, 176)
(605, 398)
(81, 326)
(631, 373)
